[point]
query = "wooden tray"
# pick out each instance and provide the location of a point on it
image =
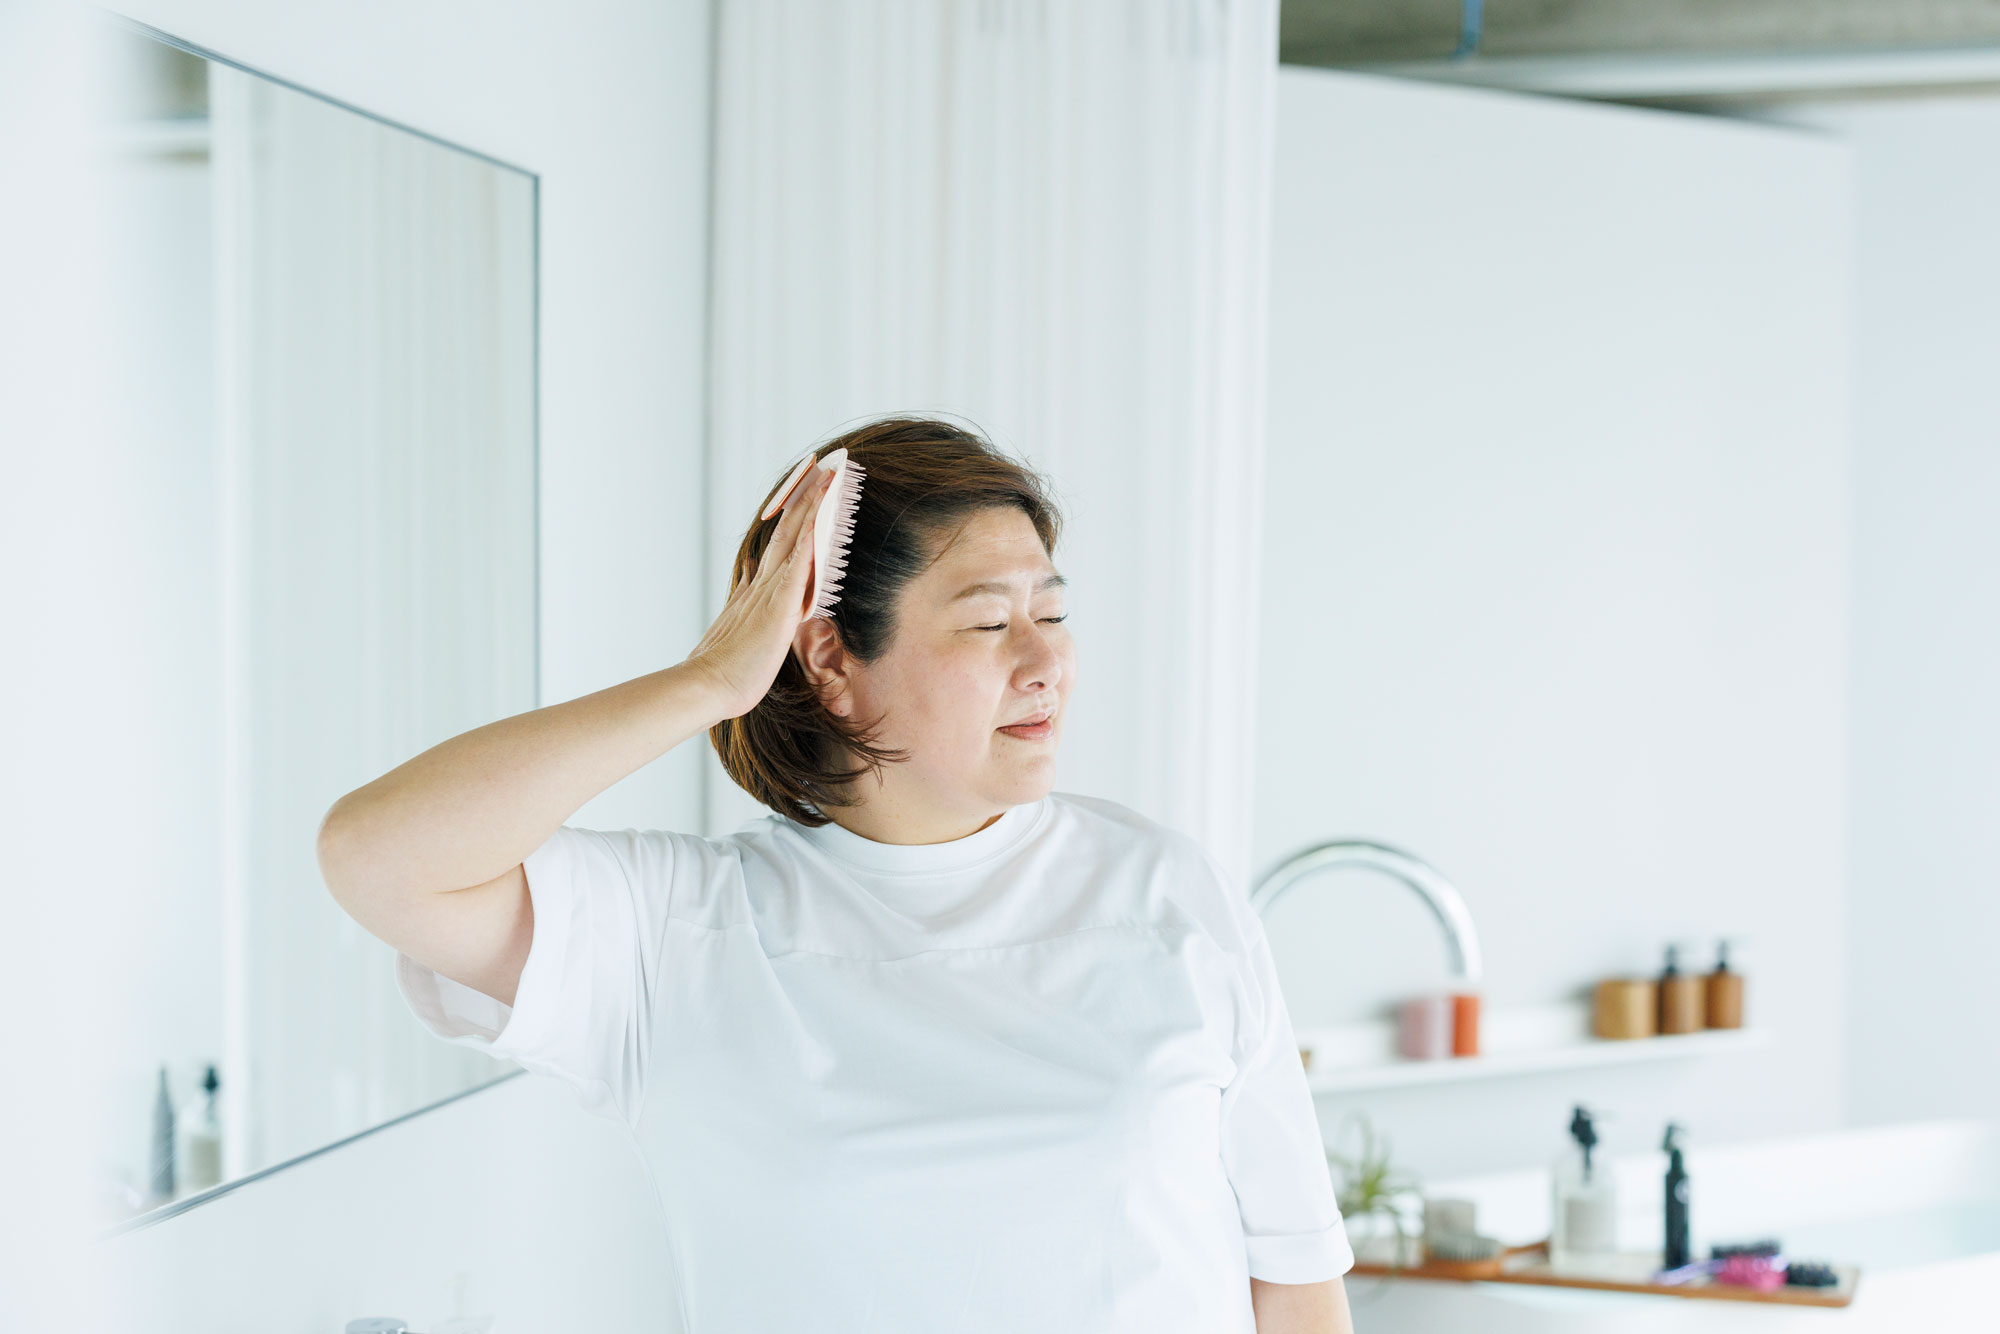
(1630, 1272)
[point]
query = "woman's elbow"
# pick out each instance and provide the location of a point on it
(333, 847)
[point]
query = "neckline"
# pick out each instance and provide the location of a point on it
(958, 854)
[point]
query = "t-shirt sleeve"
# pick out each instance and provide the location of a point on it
(1271, 1144)
(583, 1012)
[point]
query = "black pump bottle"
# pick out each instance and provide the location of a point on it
(1677, 1202)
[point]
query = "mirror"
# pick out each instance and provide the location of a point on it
(326, 358)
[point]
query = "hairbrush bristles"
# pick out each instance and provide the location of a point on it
(833, 529)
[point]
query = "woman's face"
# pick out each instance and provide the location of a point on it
(979, 644)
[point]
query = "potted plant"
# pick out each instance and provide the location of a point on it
(1381, 1206)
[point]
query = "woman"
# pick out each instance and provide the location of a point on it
(931, 1047)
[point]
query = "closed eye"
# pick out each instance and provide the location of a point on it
(1052, 620)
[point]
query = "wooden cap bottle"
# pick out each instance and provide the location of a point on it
(1627, 1007)
(1725, 991)
(1683, 998)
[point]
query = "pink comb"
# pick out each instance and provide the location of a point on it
(833, 526)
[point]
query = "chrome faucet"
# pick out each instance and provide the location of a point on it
(1436, 892)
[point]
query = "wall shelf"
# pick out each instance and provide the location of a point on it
(1361, 1057)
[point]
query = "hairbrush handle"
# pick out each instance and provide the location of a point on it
(783, 493)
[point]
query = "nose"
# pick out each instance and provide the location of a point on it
(1041, 665)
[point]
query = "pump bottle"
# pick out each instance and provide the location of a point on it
(198, 1138)
(1676, 1252)
(1583, 1215)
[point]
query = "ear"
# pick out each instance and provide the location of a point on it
(823, 659)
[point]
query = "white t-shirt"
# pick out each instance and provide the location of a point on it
(1037, 1078)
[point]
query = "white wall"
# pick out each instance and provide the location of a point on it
(73, 716)
(1555, 588)
(608, 103)
(510, 1202)
(1924, 908)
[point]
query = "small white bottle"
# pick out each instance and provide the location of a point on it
(198, 1150)
(1583, 1205)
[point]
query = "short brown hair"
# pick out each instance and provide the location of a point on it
(922, 479)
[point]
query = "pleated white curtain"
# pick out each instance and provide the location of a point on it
(1050, 218)
(376, 357)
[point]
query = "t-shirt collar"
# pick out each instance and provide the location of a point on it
(957, 854)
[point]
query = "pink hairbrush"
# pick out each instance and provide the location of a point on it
(833, 526)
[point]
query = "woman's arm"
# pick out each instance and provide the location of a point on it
(468, 808)
(1301, 1308)
(428, 856)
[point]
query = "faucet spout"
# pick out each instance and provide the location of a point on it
(1424, 879)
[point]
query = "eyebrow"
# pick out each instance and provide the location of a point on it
(1001, 586)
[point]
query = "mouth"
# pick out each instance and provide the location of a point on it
(1032, 728)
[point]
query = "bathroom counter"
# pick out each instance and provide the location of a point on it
(1916, 1207)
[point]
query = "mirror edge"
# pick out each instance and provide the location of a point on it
(182, 1205)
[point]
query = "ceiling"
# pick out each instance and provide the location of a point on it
(1359, 32)
(1689, 53)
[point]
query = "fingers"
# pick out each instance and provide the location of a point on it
(800, 509)
(784, 493)
(791, 538)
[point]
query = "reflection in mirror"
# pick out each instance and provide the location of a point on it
(326, 354)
